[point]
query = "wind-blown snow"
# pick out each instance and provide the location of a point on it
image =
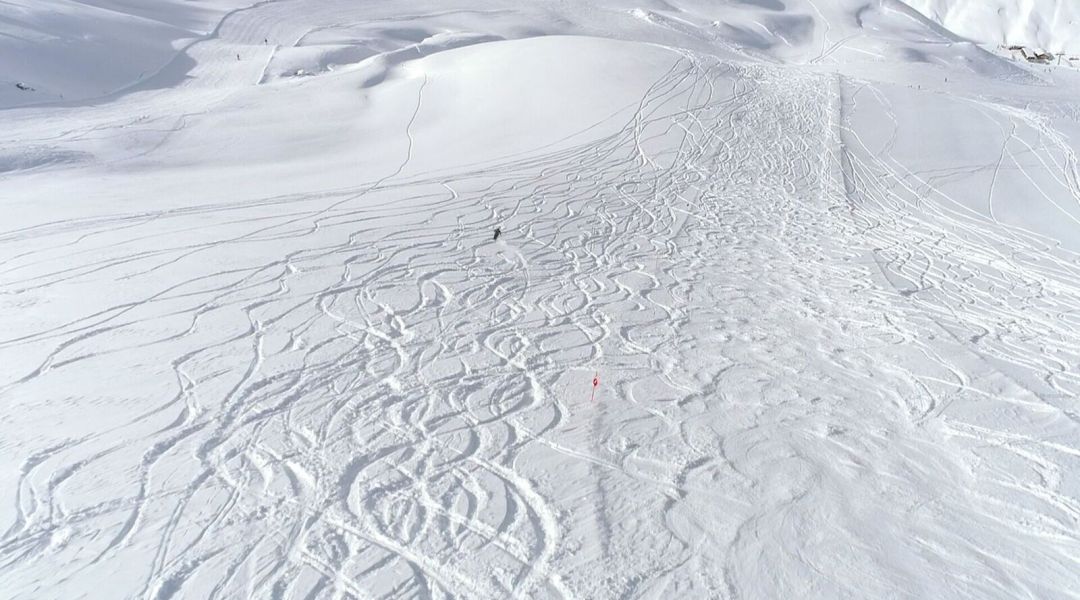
(258, 339)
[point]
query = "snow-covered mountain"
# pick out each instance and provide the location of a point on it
(556, 299)
(1050, 25)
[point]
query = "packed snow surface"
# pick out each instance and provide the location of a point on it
(258, 340)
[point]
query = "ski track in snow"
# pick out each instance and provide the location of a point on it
(819, 374)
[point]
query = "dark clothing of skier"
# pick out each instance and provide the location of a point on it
(498, 232)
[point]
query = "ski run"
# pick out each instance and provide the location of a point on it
(553, 299)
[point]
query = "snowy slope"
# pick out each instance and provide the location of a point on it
(257, 339)
(1051, 25)
(79, 49)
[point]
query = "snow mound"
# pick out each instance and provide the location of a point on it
(379, 53)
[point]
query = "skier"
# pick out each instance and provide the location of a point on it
(498, 232)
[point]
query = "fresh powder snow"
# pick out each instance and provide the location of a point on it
(600, 299)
